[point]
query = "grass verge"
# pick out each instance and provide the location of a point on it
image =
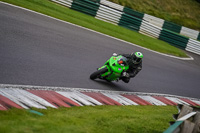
(182, 12)
(98, 119)
(52, 9)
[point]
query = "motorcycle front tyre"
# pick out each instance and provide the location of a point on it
(98, 73)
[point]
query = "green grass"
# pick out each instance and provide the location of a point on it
(52, 9)
(182, 12)
(89, 119)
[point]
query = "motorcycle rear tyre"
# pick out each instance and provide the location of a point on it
(98, 73)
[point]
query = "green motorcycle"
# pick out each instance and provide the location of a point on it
(112, 70)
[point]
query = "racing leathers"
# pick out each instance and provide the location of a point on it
(133, 70)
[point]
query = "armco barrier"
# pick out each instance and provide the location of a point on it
(198, 36)
(163, 23)
(143, 23)
(189, 32)
(85, 6)
(154, 20)
(193, 46)
(67, 3)
(133, 13)
(112, 5)
(108, 14)
(150, 30)
(130, 22)
(173, 39)
(172, 27)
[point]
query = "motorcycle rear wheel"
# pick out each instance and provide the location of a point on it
(98, 73)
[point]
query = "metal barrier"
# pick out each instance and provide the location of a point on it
(85, 6)
(154, 20)
(173, 38)
(130, 22)
(193, 46)
(171, 26)
(187, 120)
(189, 32)
(108, 14)
(149, 29)
(142, 23)
(67, 3)
(133, 13)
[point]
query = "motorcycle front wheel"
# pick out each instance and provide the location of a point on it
(98, 73)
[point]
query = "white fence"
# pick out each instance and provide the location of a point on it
(189, 32)
(151, 26)
(193, 46)
(154, 20)
(112, 5)
(108, 14)
(67, 3)
(150, 29)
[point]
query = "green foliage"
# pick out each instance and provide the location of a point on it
(98, 119)
(182, 12)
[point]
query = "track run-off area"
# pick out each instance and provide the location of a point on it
(41, 51)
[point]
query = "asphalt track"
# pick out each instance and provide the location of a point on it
(37, 50)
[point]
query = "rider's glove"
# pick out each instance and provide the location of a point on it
(114, 54)
(125, 74)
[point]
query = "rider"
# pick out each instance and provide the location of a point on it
(135, 65)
